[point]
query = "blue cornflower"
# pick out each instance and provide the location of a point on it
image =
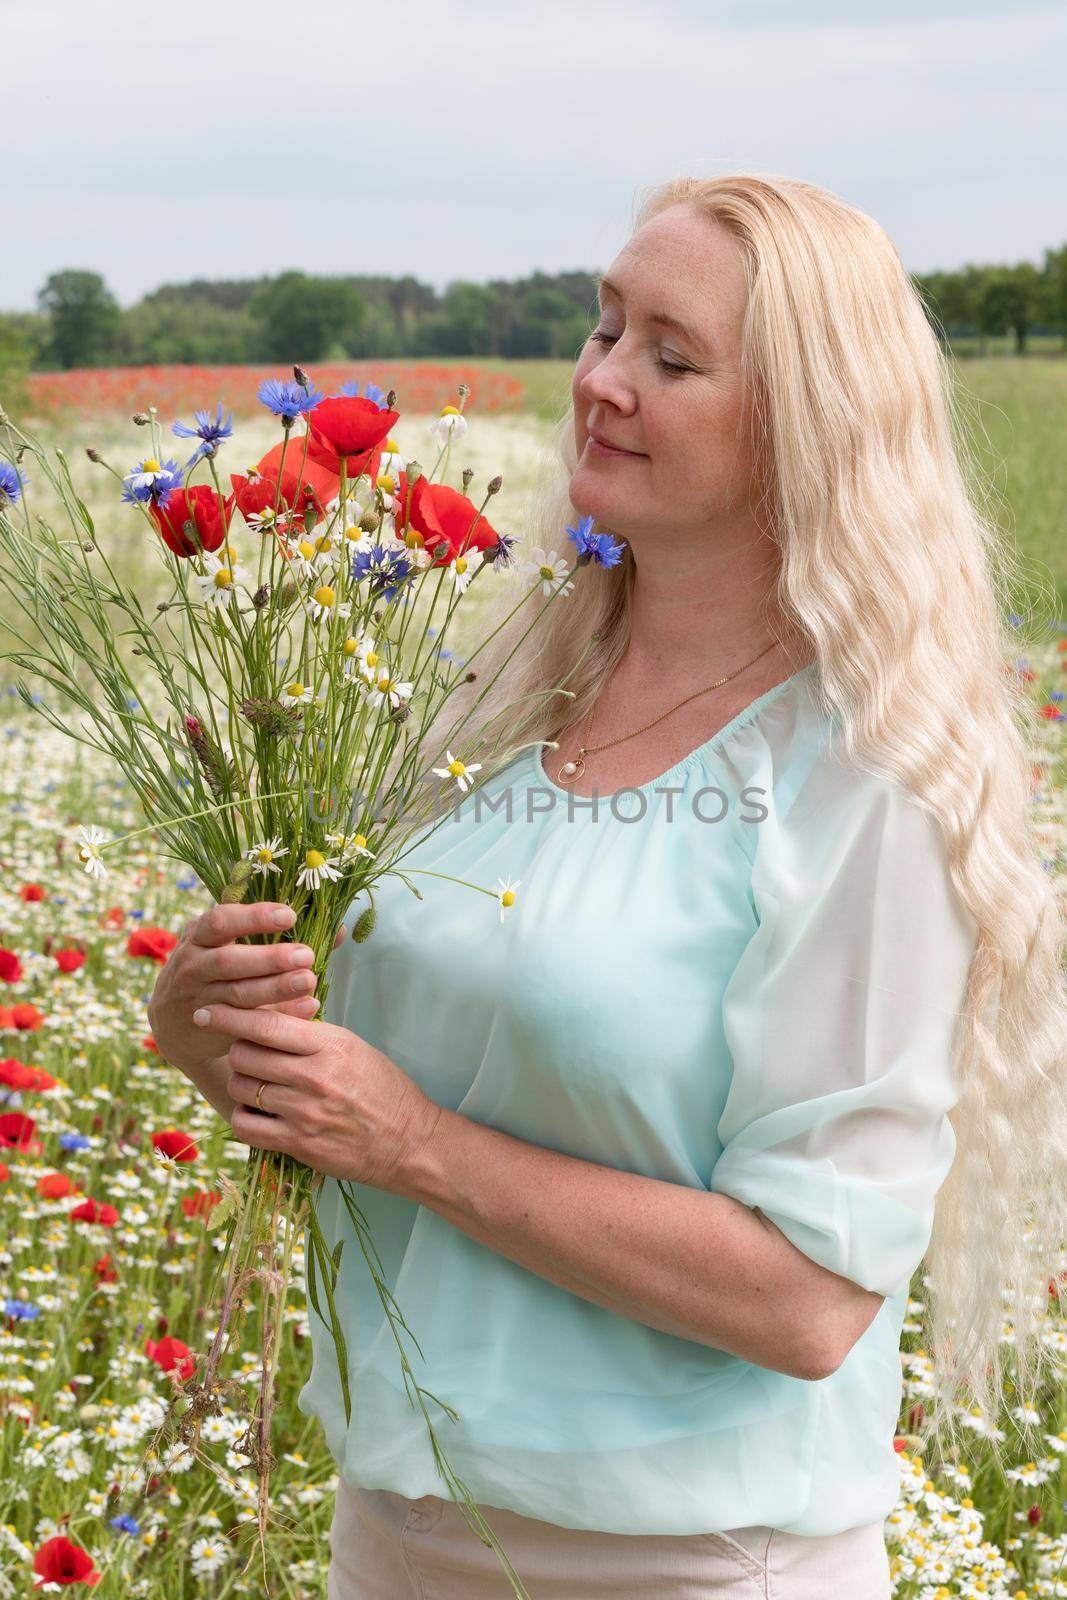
(152, 480)
(186, 883)
(12, 483)
(286, 398)
(370, 392)
(124, 1524)
(503, 557)
(21, 1310)
(1015, 621)
(74, 1141)
(210, 431)
(387, 570)
(599, 547)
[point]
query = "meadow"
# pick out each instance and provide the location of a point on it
(112, 1165)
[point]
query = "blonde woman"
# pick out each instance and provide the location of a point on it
(651, 1157)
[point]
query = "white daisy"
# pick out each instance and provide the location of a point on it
(266, 521)
(316, 868)
(208, 1555)
(450, 422)
(392, 461)
(506, 894)
(299, 694)
(90, 840)
(350, 844)
(547, 570)
(324, 605)
(457, 770)
(306, 558)
(384, 688)
(264, 856)
(222, 577)
(464, 567)
(356, 539)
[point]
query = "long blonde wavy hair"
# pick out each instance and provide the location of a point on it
(894, 572)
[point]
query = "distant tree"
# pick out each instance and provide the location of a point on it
(461, 326)
(16, 354)
(84, 318)
(163, 329)
(303, 318)
(1007, 302)
(1054, 276)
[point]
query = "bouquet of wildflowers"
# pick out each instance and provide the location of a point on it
(283, 716)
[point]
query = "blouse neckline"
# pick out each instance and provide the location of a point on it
(744, 716)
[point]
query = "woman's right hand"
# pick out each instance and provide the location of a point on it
(208, 967)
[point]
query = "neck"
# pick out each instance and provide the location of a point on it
(709, 615)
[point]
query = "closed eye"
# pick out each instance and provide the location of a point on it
(668, 366)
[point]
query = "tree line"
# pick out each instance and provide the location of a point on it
(79, 323)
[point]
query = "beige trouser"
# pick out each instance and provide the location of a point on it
(387, 1547)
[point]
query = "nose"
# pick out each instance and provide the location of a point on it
(606, 382)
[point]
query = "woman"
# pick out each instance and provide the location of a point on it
(650, 1167)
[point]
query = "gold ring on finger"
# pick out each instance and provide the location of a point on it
(259, 1092)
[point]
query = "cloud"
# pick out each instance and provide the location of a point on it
(463, 138)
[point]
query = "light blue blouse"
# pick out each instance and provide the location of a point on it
(743, 976)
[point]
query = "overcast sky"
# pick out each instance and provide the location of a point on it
(489, 138)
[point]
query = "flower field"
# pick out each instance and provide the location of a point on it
(112, 1170)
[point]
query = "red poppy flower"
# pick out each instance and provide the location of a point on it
(16, 1130)
(1050, 711)
(148, 1043)
(175, 1144)
(10, 966)
(31, 891)
(104, 1270)
(200, 506)
(349, 429)
(157, 943)
(313, 484)
(7, 1017)
(54, 1186)
(59, 1561)
(95, 1211)
(171, 1355)
(69, 960)
(201, 1203)
(5, 1172)
(27, 1017)
(17, 1075)
(441, 516)
(113, 918)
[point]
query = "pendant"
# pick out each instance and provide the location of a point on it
(572, 769)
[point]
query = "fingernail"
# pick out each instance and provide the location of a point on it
(283, 917)
(201, 1016)
(301, 956)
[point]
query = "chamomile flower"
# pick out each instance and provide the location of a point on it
(152, 480)
(456, 769)
(548, 570)
(267, 520)
(222, 577)
(90, 840)
(392, 461)
(299, 694)
(316, 869)
(463, 568)
(208, 1555)
(506, 894)
(384, 688)
(265, 856)
(451, 422)
(307, 559)
(350, 844)
(324, 605)
(357, 538)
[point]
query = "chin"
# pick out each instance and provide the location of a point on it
(592, 494)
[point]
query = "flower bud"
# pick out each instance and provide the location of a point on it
(237, 887)
(495, 485)
(414, 472)
(261, 596)
(390, 400)
(464, 391)
(301, 377)
(311, 516)
(94, 455)
(363, 926)
(141, 418)
(468, 474)
(368, 522)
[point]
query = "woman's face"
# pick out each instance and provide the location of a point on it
(670, 396)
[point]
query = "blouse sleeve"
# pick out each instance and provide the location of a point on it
(840, 1018)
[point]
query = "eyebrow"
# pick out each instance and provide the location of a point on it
(660, 317)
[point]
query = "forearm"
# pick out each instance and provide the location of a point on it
(686, 1261)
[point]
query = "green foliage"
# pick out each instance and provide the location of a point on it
(84, 317)
(306, 318)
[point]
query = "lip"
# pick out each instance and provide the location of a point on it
(602, 446)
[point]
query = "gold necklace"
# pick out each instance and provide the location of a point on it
(574, 769)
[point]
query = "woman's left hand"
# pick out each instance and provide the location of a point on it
(336, 1103)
